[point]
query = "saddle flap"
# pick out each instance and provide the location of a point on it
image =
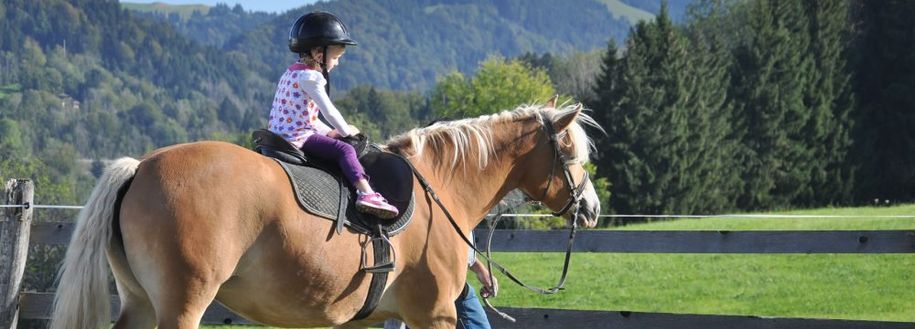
(319, 191)
(391, 176)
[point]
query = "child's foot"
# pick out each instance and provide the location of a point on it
(376, 205)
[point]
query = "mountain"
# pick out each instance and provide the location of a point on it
(406, 44)
(105, 80)
(181, 11)
(89, 74)
(677, 9)
(207, 25)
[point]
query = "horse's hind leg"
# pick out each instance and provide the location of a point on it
(183, 307)
(136, 311)
(181, 283)
(183, 290)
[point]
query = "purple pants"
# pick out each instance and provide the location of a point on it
(329, 149)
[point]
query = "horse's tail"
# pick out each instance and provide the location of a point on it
(82, 300)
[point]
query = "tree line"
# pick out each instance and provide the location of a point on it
(761, 104)
(745, 105)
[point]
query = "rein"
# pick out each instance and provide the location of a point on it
(574, 200)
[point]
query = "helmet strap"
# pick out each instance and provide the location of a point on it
(325, 72)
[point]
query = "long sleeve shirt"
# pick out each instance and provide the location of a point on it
(300, 97)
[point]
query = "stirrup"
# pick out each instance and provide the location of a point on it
(383, 267)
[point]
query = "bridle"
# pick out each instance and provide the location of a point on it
(574, 201)
(575, 193)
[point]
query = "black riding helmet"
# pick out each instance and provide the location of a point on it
(318, 29)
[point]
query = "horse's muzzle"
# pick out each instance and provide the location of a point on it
(588, 213)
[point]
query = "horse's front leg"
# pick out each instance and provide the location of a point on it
(443, 315)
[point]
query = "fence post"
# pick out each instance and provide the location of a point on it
(15, 225)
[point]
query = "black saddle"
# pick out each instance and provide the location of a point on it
(321, 189)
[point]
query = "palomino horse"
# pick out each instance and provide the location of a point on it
(211, 220)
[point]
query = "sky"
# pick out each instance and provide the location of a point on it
(275, 6)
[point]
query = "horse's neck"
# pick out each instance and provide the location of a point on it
(473, 190)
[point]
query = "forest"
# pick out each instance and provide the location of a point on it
(729, 106)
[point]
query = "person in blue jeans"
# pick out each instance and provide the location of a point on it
(470, 312)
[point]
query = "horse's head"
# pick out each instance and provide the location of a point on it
(555, 175)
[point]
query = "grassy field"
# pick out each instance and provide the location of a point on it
(865, 219)
(840, 286)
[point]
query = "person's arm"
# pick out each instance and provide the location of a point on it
(313, 85)
(489, 288)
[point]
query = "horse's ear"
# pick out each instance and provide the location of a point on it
(565, 119)
(552, 102)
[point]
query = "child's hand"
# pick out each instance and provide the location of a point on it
(333, 134)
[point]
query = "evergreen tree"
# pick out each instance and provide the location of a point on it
(644, 110)
(97, 168)
(713, 174)
(606, 91)
(829, 98)
(230, 113)
(769, 79)
(885, 66)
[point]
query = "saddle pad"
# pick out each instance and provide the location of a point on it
(319, 192)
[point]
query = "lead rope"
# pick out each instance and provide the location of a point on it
(489, 261)
(493, 224)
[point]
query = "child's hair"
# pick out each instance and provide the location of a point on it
(307, 59)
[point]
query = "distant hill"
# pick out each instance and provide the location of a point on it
(93, 75)
(183, 11)
(676, 8)
(633, 14)
(407, 44)
(208, 25)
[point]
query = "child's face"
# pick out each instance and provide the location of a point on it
(334, 53)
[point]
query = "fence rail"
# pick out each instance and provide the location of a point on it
(17, 232)
(750, 242)
(35, 306)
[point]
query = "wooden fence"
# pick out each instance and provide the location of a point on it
(17, 233)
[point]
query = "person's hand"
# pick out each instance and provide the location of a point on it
(490, 288)
(333, 134)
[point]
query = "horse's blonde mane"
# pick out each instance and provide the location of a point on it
(476, 134)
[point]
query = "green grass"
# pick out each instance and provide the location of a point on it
(865, 287)
(862, 222)
(839, 286)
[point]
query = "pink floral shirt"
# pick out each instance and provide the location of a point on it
(300, 96)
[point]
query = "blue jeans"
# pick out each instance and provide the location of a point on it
(470, 313)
